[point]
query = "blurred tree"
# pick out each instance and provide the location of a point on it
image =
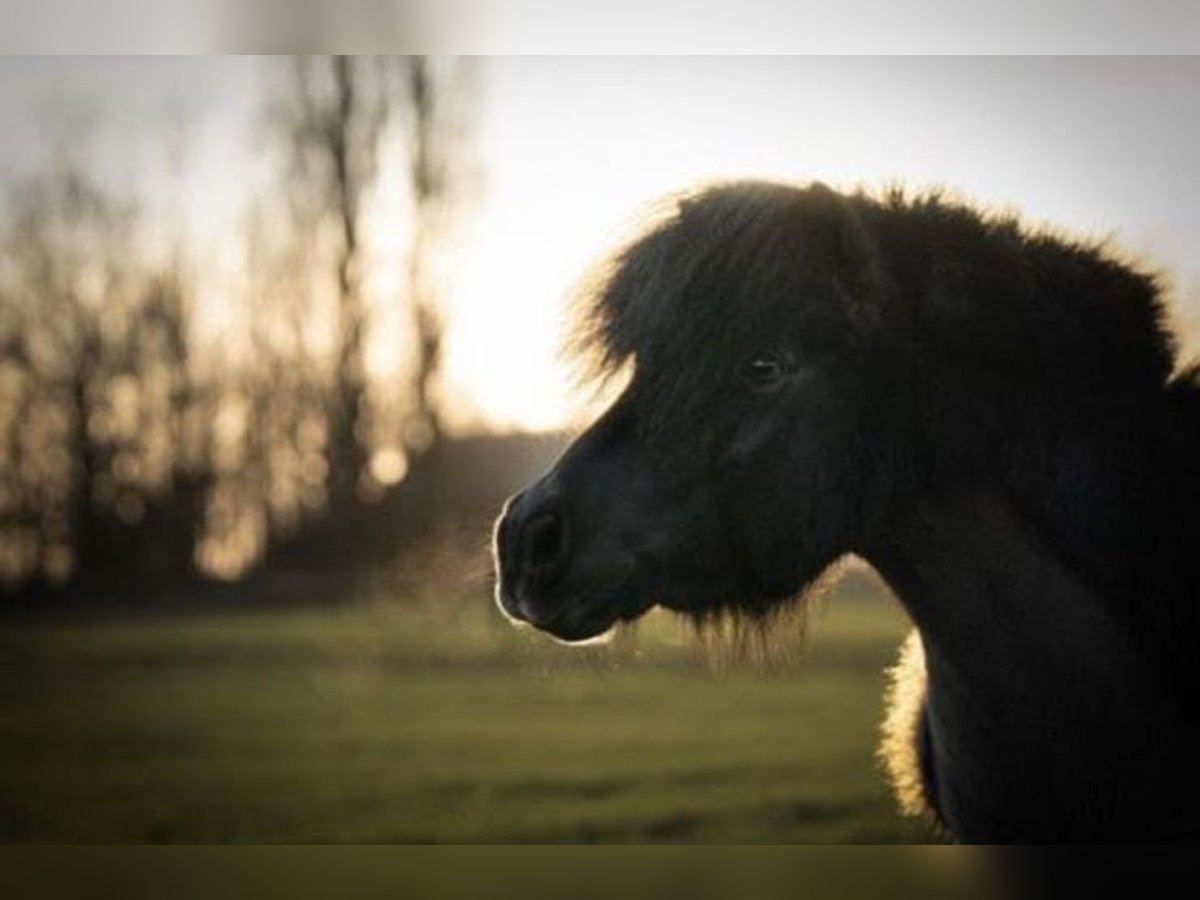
(335, 124)
(437, 97)
(20, 528)
(282, 473)
(179, 403)
(63, 279)
(342, 119)
(107, 424)
(134, 454)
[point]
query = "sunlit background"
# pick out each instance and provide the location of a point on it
(569, 150)
(278, 336)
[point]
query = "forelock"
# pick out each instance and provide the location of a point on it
(707, 275)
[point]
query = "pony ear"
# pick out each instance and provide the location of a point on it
(833, 226)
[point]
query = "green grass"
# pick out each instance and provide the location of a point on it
(380, 722)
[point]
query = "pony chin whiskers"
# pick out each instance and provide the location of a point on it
(763, 641)
(764, 635)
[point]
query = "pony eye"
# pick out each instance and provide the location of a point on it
(763, 371)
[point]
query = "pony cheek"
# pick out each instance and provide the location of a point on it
(751, 444)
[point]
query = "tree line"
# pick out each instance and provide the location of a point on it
(142, 448)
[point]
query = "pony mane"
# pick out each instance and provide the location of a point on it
(952, 277)
(701, 281)
(610, 305)
(631, 302)
(1077, 309)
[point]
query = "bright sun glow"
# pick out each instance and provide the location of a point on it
(574, 148)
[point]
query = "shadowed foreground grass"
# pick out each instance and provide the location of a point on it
(384, 722)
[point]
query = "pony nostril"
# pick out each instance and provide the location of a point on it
(545, 541)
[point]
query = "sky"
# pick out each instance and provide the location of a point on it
(573, 147)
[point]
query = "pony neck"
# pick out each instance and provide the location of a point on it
(985, 591)
(1097, 521)
(1039, 696)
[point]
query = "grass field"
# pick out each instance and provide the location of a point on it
(384, 722)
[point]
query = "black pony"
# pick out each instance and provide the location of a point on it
(987, 414)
